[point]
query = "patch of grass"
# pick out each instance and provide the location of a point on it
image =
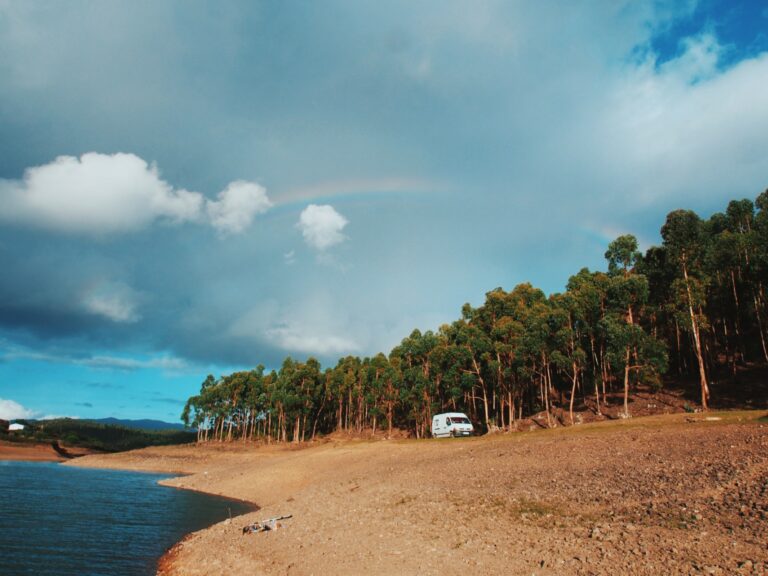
(498, 503)
(679, 521)
(405, 499)
(533, 508)
(650, 423)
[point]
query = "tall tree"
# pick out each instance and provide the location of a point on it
(682, 238)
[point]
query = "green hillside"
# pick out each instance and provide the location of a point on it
(97, 436)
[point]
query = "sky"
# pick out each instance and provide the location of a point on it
(192, 187)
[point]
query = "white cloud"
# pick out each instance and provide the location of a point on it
(96, 193)
(317, 325)
(168, 363)
(10, 410)
(112, 307)
(686, 130)
(118, 193)
(114, 301)
(698, 60)
(162, 362)
(297, 339)
(237, 206)
(321, 226)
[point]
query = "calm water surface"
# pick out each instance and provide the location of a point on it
(61, 520)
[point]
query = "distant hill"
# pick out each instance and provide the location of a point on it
(139, 424)
(108, 435)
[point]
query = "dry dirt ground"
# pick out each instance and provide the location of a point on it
(674, 494)
(39, 452)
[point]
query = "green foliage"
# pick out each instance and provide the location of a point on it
(622, 254)
(98, 436)
(693, 305)
(682, 235)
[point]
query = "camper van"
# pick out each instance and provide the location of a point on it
(451, 424)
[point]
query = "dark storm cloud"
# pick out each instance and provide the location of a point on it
(464, 147)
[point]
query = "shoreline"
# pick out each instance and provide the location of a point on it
(513, 503)
(165, 563)
(38, 452)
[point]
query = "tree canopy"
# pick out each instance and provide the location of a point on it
(691, 308)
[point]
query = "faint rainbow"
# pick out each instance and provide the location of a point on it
(604, 235)
(353, 190)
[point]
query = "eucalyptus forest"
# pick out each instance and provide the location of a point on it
(691, 310)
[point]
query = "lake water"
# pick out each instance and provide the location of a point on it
(61, 520)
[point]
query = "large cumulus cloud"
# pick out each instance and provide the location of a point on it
(118, 193)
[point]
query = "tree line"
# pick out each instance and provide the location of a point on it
(692, 308)
(94, 435)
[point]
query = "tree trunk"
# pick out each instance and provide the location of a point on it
(626, 384)
(760, 328)
(573, 389)
(603, 370)
(485, 390)
(679, 348)
(697, 343)
(596, 364)
(736, 320)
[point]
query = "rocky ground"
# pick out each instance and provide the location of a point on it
(675, 494)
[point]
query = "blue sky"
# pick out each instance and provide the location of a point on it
(195, 187)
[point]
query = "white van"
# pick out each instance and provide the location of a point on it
(451, 424)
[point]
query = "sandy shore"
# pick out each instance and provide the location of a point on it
(42, 452)
(660, 495)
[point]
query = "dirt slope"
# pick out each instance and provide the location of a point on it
(677, 494)
(40, 452)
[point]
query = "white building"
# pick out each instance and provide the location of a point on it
(15, 427)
